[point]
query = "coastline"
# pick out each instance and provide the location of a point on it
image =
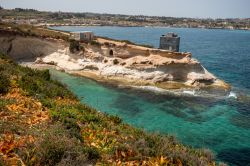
(137, 105)
(174, 88)
(130, 64)
(146, 26)
(57, 123)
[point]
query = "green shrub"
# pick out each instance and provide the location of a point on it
(82, 48)
(74, 46)
(95, 43)
(4, 83)
(3, 56)
(56, 146)
(4, 102)
(2, 163)
(93, 153)
(38, 83)
(6, 58)
(44, 74)
(73, 128)
(107, 44)
(115, 119)
(87, 118)
(115, 61)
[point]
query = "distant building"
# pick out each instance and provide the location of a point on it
(82, 36)
(170, 42)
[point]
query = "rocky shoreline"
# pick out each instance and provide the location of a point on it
(116, 62)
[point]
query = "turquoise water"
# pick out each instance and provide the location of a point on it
(222, 125)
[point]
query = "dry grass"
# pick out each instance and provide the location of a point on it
(29, 30)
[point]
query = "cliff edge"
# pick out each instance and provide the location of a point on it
(114, 61)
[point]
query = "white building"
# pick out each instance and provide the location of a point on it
(82, 36)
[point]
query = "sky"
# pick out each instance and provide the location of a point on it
(172, 8)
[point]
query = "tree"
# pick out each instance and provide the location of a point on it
(1, 7)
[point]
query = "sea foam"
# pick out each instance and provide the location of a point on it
(189, 92)
(232, 95)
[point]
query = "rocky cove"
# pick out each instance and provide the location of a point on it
(115, 62)
(221, 125)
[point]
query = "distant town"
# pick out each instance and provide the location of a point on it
(43, 18)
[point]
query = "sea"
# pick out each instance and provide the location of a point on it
(221, 124)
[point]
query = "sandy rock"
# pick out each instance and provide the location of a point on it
(163, 78)
(90, 67)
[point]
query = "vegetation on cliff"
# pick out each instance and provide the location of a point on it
(42, 123)
(74, 46)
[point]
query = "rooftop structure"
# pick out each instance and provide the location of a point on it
(82, 36)
(170, 42)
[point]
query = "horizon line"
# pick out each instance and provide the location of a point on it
(213, 18)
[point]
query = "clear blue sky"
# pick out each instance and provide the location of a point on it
(174, 8)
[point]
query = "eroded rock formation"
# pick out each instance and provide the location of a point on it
(112, 60)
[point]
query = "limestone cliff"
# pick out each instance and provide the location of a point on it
(114, 61)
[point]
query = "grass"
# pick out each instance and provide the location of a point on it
(62, 131)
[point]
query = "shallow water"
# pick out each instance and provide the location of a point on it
(220, 124)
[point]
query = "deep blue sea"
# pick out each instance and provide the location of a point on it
(222, 125)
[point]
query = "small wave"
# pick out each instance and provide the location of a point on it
(232, 95)
(189, 92)
(181, 92)
(151, 88)
(165, 91)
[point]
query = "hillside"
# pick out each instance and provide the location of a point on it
(42, 123)
(31, 16)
